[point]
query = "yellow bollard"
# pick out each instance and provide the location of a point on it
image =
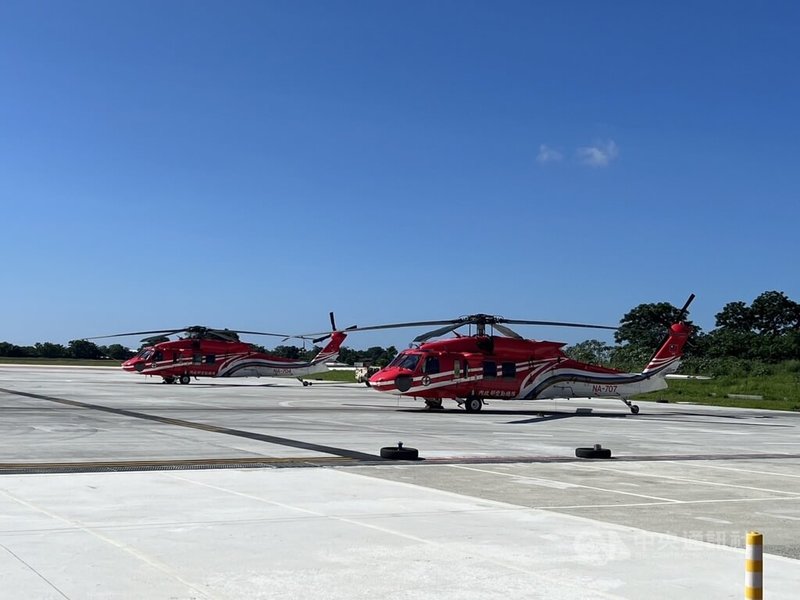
(754, 566)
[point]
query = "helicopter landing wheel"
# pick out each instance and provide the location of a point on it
(185, 379)
(634, 408)
(473, 404)
(169, 380)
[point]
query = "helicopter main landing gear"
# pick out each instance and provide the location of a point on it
(473, 404)
(185, 379)
(634, 408)
(169, 380)
(432, 404)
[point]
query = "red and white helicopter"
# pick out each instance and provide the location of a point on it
(471, 369)
(208, 352)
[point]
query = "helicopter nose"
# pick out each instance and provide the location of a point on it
(378, 379)
(391, 380)
(403, 382)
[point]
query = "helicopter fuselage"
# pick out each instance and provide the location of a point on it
(477, 368)
(184, 359)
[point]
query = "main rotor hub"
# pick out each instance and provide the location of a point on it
(481, 320)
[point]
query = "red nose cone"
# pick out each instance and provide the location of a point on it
(378, 378)
(391, 379)
(133, 364)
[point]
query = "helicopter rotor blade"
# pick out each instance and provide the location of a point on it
(280, 335)
(389, 326)
(132, 333)
(556, 324)
(152, 340)
(685, 309)
(192, 329)
(325, 337)
(507, 331)
(437, 332)
(681, 314)
(447, 325)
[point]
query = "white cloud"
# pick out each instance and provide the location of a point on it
(548, 154)
(599, 155)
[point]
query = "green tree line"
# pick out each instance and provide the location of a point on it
(765, 331)
(375, 355)
(76, 349)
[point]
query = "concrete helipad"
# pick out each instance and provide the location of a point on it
(116, 486)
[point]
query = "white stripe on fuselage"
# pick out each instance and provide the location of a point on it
(603, 384)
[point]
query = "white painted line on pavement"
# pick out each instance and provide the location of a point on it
(588, 487)
(697, 482)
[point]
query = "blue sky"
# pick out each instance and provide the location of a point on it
(254, 165)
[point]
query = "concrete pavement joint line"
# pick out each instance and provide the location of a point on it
(742, 470)
(781, 443)
(530, 572)
(455, 437)
(588, 487)
(688, 424)
(684, 479)
(572, 459)
(212, 428)
(307, 511)
(594, 522)
(37, 573)
(177, 464)
(119, 545)
(174, 462)
(687, 502)
(779, 516)
(713, 520)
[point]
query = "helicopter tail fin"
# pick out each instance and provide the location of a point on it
(331, 349)
(668, 357)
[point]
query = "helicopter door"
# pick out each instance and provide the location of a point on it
(460, 368)
(431, 365)
(499, 379)
(158, 356)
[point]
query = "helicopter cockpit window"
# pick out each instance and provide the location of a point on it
(405, 361)
(159, 355)
(431, 365)
(145, 354)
